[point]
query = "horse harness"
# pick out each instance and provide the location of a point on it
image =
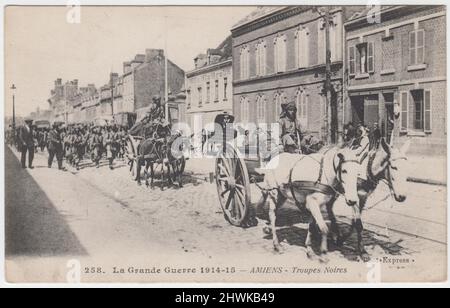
(317, 186)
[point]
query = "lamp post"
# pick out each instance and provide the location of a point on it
(13, 88)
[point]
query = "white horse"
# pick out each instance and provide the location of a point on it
(384, 163)
(311, 181)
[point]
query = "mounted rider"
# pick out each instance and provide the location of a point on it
(146, 127)
(291, 133)
(361, 142)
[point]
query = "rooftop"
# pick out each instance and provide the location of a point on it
(260, 12)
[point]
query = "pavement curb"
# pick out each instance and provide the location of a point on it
(426, 181)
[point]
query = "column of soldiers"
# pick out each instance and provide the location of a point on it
(74, 143)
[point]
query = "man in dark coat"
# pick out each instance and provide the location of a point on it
(27, 143)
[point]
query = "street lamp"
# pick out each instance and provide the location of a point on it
(13, 88)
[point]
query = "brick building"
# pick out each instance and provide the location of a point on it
(109, 95)
(279, 55)
(208, 87)
(61, 98)
(144, 77)
(399, 61)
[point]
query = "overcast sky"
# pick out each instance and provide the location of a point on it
(40, 45)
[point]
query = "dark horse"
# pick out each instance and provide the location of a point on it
(158, 150)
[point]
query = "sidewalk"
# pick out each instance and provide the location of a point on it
(428, 169)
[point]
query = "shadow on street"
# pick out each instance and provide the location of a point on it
(33, 226)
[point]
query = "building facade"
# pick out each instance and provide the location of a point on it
(144, 77)
(209, 87)
(61, 100)
(279, 55)
(398, 67)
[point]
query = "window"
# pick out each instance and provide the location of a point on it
(260, 58)
(416, 47)
(208, 92)
(189, 98)
(200, 97)
(245, 63)
(244, 110)
(302, 107)
(261, 109)
(216, 91)
(302, 48)
(422, 110)
(279, 99)
(352, 60)
(366, 58)
(280, 53)
(333, 45)
(321, 42)
(225, 86)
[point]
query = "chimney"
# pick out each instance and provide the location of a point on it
(126, 67)
(140, 58)
(153, 53)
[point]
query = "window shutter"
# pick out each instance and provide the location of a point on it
(420, 47)
(404, 111)
(351, 60)
(370, 58)
(427, 111)
(412, 48)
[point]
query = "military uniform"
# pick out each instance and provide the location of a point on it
(111, 146)
(55, 148)
(290, 130)
(78, 143)
(96, 147)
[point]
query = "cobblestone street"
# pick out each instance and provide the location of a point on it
(97, 212)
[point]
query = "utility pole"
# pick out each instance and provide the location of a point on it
(112, 94)
(166, 87)
(330, 114)
(330, 129)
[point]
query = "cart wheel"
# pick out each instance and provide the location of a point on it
(233, 187)
(132, 161)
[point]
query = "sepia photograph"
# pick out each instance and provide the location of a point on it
(225, 144)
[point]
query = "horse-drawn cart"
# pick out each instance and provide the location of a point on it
(235, 171)
(157, 136)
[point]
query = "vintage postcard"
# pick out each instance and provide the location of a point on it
(273, 144)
